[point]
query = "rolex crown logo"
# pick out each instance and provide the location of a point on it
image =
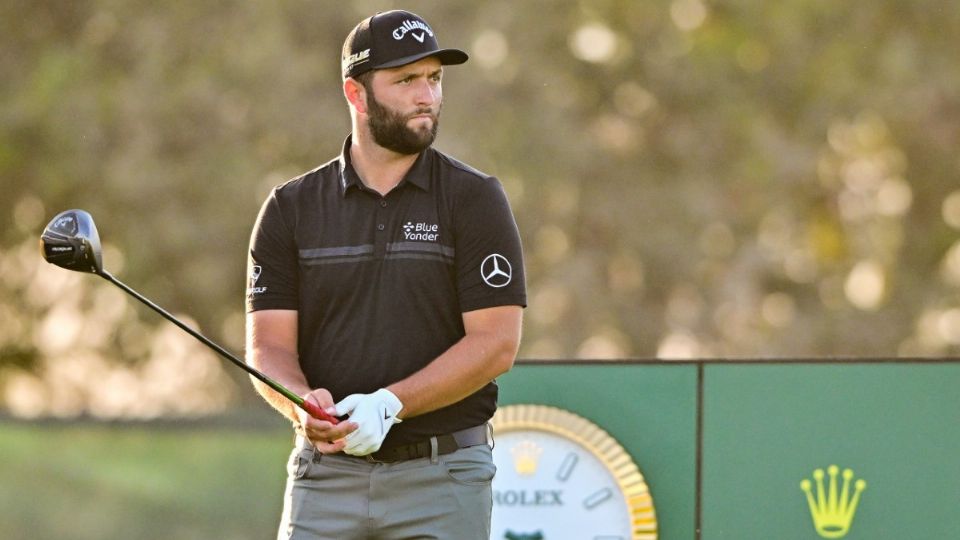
(526, 457)
(832, 510)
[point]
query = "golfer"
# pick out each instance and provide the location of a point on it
(387, 287)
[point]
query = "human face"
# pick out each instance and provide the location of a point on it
(403, 106)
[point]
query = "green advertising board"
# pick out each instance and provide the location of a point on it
(769, 428)
(650, 410)
(750, 450)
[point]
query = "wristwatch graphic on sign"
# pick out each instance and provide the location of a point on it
(561, 476)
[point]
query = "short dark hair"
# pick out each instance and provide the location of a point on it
(366, 79)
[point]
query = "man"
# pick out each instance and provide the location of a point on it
(387, 287)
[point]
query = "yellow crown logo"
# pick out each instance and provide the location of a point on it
(833, 512)
(526, 457)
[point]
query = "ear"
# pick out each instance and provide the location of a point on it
(356, 94)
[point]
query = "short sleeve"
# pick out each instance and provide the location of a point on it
(489, 255)
(272, 264)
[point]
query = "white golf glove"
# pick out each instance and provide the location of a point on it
(374, 415)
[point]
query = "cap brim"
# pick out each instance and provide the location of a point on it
(448, 57)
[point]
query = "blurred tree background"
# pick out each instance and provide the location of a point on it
(692, 179)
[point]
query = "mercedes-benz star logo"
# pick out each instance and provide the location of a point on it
(496, 271)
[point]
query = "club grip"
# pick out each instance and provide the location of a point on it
(315, 411)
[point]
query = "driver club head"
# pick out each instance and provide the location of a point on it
(71, 241)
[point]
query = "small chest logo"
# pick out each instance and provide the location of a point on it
(422, 232)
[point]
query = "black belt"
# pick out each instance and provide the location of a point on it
(445, 444)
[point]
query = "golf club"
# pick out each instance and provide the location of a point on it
(71, 241)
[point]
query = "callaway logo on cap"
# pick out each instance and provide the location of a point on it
(391, 39)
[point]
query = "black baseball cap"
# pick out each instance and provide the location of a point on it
(391, 39)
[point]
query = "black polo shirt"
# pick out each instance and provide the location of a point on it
(381, 282)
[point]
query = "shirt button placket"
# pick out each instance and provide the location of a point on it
(381, 236)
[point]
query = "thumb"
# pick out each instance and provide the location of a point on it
(347, 404)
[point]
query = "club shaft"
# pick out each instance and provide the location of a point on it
(297, 400)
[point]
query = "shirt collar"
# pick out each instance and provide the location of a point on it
(418, 175)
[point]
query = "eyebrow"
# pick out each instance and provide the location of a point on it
(405, 74)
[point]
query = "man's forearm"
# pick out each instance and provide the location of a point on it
(276, 400)
(284, 369)
(478, 358)
(272, 349)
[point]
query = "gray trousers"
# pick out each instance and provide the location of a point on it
(335, 497)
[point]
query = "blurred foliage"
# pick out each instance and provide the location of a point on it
(691, 179)
(144, 482)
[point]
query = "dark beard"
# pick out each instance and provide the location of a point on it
(389, 128)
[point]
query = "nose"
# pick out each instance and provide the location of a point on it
(428, 93)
